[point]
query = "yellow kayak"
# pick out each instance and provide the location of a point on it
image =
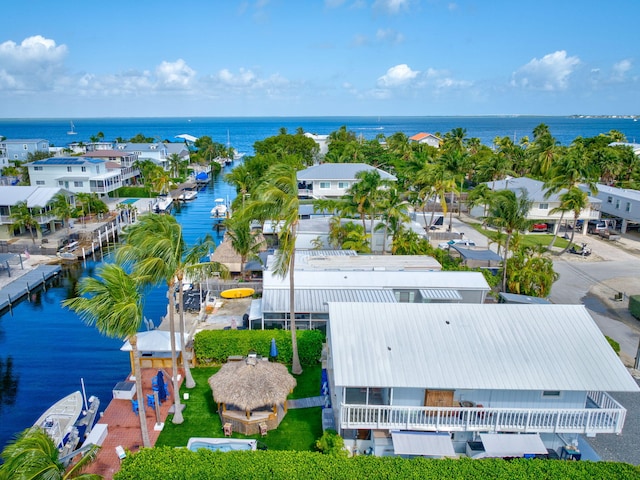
(237, 293)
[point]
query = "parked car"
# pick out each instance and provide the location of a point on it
(457, 241)
(540, 227)
(597, 226)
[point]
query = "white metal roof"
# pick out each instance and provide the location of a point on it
(337, 279)
(534, 188)
(431, 444)
(339, 171)
(154, 341)
(470, 346)
(440, 294)
(317, 300)
(34, 196)
(510, 445)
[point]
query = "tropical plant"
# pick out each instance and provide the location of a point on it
(245, 241)
(276, 199)
(33, 455)
(23, 217)
(62, 209)
(112, 302)
(573, 200)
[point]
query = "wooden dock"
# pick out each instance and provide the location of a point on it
(23, 285)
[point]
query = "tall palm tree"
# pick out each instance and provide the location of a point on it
(244, 240)
(34, 455)
(395, 213)
(367, 194)
(112, 302)
(277, 199)
(23, 217)
(509, 212)
(573, 200)
(62, 209)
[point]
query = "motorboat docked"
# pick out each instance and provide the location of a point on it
(163, 203)
(220, 210)
(59, 421)
(188, 194)
(68, 251)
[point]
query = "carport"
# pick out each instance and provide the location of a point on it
(478, 258)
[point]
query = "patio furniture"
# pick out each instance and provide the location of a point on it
(228, 429)
(263, 429)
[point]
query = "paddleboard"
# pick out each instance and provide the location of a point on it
(237, 293)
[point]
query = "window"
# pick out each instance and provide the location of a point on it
(627, 207)
(609, 199)
(60, 183)
(344, 185)
(544, 206)
(38, 169)
(551, 393)
(77, 184)
(84, 169)
(39, 182)
(617, 203)
(325, 185)
(69, 169)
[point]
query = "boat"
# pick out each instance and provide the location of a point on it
(163, 203)
(188, 194)
(237, 293)
(59, 421)
(68, 251)
(202, 178)
(220, 210)
(73, 130)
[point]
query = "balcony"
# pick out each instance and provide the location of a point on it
(603, 415)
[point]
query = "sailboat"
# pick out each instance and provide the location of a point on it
(73, 129)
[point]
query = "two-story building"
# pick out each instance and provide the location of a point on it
(158, 152)
(18, 149)
(81, 174)
(332, 180)
(622, 204)
(493, 380)
(543, 204)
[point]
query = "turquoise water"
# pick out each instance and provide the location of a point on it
(129, 201)
(219, 447)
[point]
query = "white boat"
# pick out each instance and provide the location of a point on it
(59, 421)
(163, 203)
(220, 210)
(68, 251)
(73, 129)
(188, 194)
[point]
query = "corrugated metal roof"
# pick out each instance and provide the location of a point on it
(34, 196)
(339, 171)
(440, 294)
(317, 300)
(488, 346)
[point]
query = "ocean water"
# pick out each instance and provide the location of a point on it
(46, 350)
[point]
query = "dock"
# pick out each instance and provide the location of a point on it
(23, 285)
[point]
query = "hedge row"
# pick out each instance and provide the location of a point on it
(181, 464)
(215, 346)
(634, 305)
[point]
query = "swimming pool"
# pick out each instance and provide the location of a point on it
(130, 201)
(220, 444)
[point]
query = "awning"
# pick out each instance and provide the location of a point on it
(429, 444)
(440, 294)
(512, 445)
(480, 255)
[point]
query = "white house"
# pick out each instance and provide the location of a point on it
(332, 180)
(542, 205)
(622, 204)
(323, 276)
(18, 149)
(322, 141)
(36, 198)
(81, 174)
(426, 138)
(528, 375)
(158, 152)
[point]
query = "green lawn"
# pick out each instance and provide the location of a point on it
(298, 431)
(532, 240)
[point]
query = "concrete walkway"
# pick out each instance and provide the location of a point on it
(306, 402)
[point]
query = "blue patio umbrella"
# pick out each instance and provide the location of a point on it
(162, 388)
(274, 348)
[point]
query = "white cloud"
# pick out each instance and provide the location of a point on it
(549, 73)
(397, 76)
(32, 64)
(620, 69)
(389, 35)
(175, 74)
(391, 6)
(243, 79)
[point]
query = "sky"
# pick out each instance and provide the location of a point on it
(219, 58)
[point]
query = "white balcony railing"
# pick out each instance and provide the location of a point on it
(606, 417)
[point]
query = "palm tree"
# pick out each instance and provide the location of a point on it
(394, 214)
(175, 163)
(112, 302)
(33, 455)
(277, 199)
(22, 217)
(573, 200)
(509, 212)
(62, 209)
(366, 193)
(244, 240)
(85, 201)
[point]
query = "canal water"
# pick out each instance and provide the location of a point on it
(46, 350)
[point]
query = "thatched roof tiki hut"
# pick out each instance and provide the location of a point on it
(252, 392)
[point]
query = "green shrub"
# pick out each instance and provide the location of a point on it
(330, 443)
(215, 346)
(180, 463)
(634, 306)
(615, 345)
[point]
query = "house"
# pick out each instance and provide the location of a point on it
(154, 349)
(37, 198)
(426, 138)
(18, 149)
(158, 152)
(332, 180)
(542, 204)
(85, 174)
(622, 204)
(322, 141)
(323, 276)
(526, 375)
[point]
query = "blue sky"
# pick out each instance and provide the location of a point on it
(72, 58)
